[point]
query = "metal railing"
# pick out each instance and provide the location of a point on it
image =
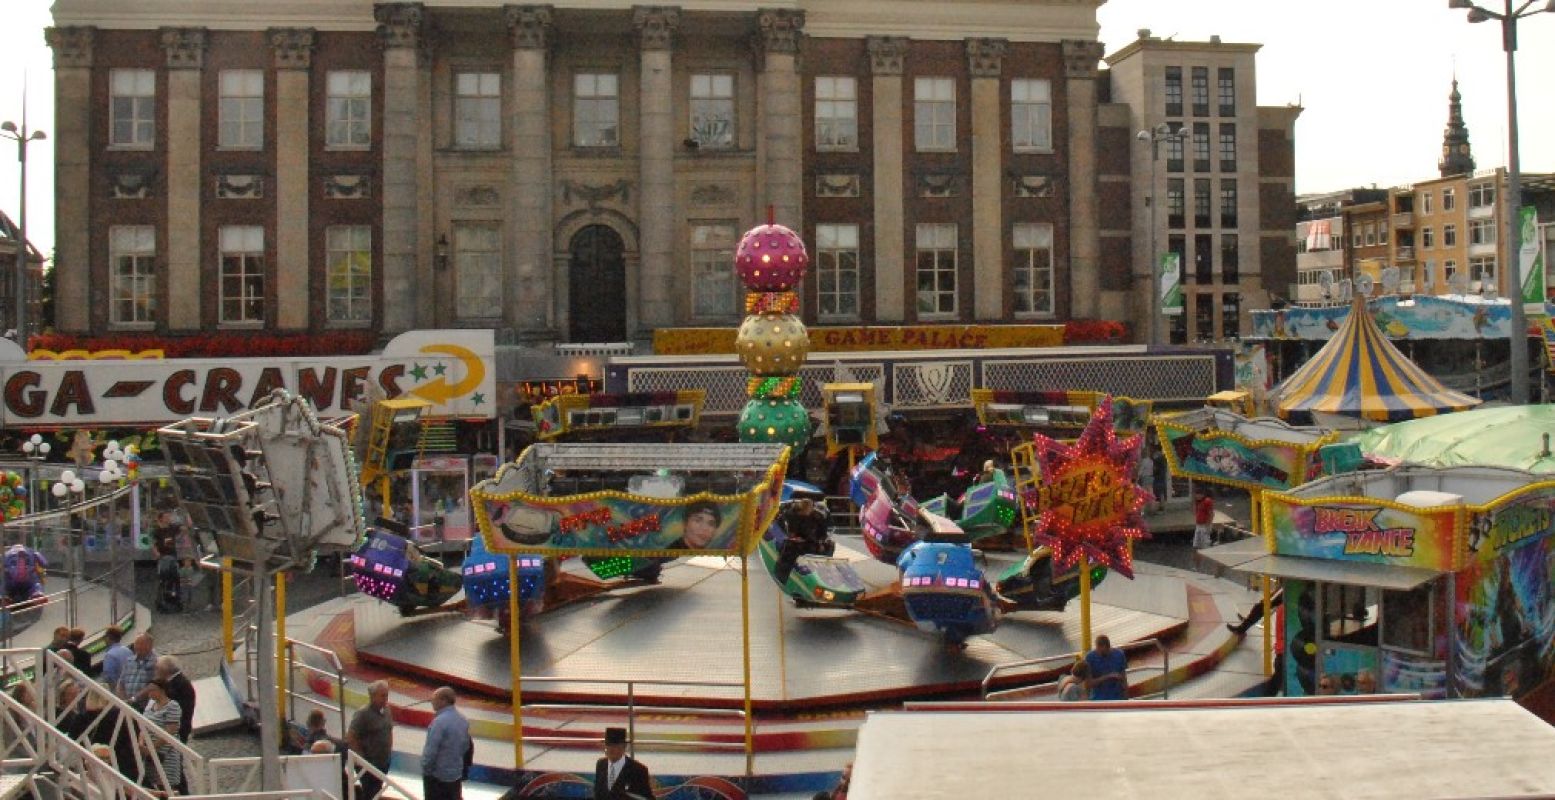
(47, 755)
(357, 767)
(334, 671)
(631, 706)
(995, 670)
(844, 514)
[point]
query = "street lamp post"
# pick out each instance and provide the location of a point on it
(1161, 133)
(21, 136)
(1518, 341)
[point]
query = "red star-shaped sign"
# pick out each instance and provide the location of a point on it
(1087, 501)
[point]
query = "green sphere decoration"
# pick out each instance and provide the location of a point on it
(772, 344)
(775, 420)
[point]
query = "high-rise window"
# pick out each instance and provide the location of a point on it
(934, 113)
(1228, 147)
(836, 113)
(1230, 315)
(714, 291)
(132, 254)
(1175, 203)
(477, 110)
(132, 108)
(712, 111)
(348, 264)
(1032, 277)
(1201, 147)
(1227, 91)
(836, 262)
(1202, 209)
(1174, 149)
(596, 110)
(1174, 91)
(1204, 316)
(1230, 259)
(241, 109)
(348, 120)
(1031, 115)
(242, 274)
(1228, 204)
(1201, 91)
(478, 270)
(936, 269)
(1203, 258)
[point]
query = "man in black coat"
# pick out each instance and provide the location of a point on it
(181, 689)
(618, 776)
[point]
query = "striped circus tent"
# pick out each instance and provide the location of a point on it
(1359, 373)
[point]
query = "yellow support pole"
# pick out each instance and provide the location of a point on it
(515, 667)
(1085, 602)
(745, 644)
(280, 640)
(226, 610)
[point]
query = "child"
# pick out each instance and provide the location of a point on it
(1203, 519)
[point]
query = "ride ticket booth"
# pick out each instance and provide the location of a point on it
(1411, 579)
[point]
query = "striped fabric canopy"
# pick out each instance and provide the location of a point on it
(1359, 373)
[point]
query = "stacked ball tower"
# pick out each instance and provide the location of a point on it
(772, 342)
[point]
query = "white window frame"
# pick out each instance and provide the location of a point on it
(241, 109)
(348, 110)
(1449, 235)
(477, 110)
(713, 121)
(241, 284)
(1482, 231)
(1477, 268)
(477, 255)
(1425, 202)
(1427, 238)
(1031, 115)
(596, 109)
(836, 263)
(938, 242)
(132, 106)
(348, 275)
(715, 294)
(836, 113)
(934, 114)
(1482, 195)
(1449, 268)
(1449, 199)
(1032, 272)
(132, 281)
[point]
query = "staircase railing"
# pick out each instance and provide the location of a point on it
(1026, 664)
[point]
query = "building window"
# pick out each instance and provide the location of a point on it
(348, 120)
(1427, 238)
(348, 261)
(132, 250)
(836, 113)
(836, 259)
(1204, 317)
(1174, 149)
(1201, 147)
(478, 271)
(1425, 203)
(1174, 91)
(1230, 258)
(1176, 211)
(1355, 235)
(1202, 209)
(936, 269)
(1228, 147)
(1201, 91)
(1483, 269)
(1203, 258)
(1228, 204)
(1382, 233)
(1230, 315)
(478, 110)
(1449, 199)
(1031, 115)
(242, 274)
(1449, 235)
(714, 292)
(1482, 231)
(596, 110)
(1427, 274)
(1033, 278)
(712, 111)
(934, 113)
(1227, 89)
(1482, 196)
(1371, 234)
(132, 108)
(241, 109)
(1449, 269)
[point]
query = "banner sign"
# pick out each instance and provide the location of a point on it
(454, 369)
(1171, 285)
(1224, 457)
(1353, 529)
(1419, 317)
(1512, 522)
(1530, 264)
(717, 341)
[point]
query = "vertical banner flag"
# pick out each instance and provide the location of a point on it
(1530, 267)
(1171, 284)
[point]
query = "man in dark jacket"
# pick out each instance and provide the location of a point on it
(618, 776)
(180, 689)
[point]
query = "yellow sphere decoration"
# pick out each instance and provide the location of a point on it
(772, 344)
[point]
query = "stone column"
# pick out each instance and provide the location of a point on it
(527, 289)
(782, 126)
(656, 214)
(72, 176)
(984, 59)
(185, 50)
(293, 51)
(886, 54)
(1080, 59)
(400, 32)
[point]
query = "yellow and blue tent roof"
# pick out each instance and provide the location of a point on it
(1359, 373)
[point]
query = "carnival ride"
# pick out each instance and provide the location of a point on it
(814, 577)
(24, 573)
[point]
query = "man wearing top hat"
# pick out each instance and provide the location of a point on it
(618, 776)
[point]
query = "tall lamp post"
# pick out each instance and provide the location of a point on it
(21, 136)
(1160, 133)
(1514, 192)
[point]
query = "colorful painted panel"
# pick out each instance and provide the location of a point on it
(1421, 317)
(1224, 457)
(1512, 522)
(1404, 673)
(1300, 638)
(1349, 529)
(1505, 618)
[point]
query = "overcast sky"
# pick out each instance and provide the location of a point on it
(1373, 76)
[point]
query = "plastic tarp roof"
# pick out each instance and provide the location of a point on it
(1510, 436)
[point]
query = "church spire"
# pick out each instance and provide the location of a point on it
(1457, 158)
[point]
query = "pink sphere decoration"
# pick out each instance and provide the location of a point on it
(771, 258)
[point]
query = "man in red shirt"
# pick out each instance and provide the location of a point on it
(1203, 519)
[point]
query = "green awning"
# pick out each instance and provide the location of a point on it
(1509, 436)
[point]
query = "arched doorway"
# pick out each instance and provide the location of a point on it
(596, 292)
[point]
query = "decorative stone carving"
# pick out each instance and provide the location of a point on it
(937, 184)
(886, 54)
(400, 24)
(984, 57)
(240, 187)
(529, 27)
(477, 196)
(1032, 185)
(656, 26)
(837, 184)
(347, 187)
(714, 194)
(781, 30)
(185, 47)
(131, 184)
(72, 45)
(592, 196)
(293, 47)
(1080, 58)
